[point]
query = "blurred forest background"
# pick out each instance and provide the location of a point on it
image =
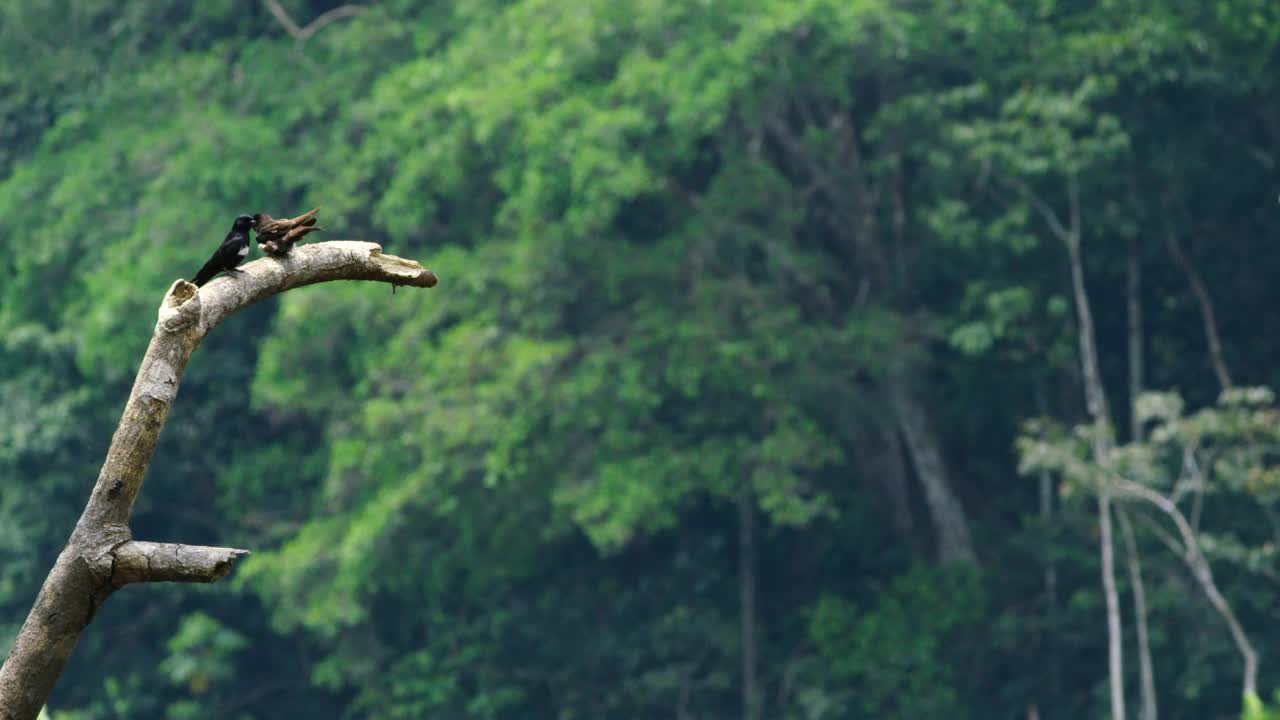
(753, 386)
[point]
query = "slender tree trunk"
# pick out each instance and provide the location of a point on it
(747, 582)
(101, 555)
(1146, 669)
(1050, 567)
(1133, 304)
(1094, 392)
(1050, 583)
(925, 450)
(1096, 401)
(1115, 652)
(1205, 304)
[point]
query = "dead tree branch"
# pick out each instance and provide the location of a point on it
(303, 33)
(101, 555)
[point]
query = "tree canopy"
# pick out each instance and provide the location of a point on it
(745, 306)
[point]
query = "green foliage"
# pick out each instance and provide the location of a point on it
(201, 655)
(900, 658)
(681, 246)
(1255, 709)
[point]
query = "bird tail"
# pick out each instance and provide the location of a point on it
(206, 273)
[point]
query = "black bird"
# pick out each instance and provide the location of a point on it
(229, 254)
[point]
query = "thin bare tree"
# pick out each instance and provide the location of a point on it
(1149, 710)
(302, 33)
(1069, 232)
(1133, 305)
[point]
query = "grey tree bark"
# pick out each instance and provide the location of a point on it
(1194, 557)
(1133, 306)
(1096, 401)
(101, 555)
(1050, 583)
(1069, 232)
(1050, 567)
(954, 543)
(1146, 668)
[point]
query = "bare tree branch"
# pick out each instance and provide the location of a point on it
(137, 562)
(302, 34)
(1204, 303)
(1051, 218)
(101, 555)
(1200, 569)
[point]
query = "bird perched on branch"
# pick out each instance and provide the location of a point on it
(276, 237)
(232, 251)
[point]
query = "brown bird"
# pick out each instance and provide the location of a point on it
(232, 251)
(276, 237)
